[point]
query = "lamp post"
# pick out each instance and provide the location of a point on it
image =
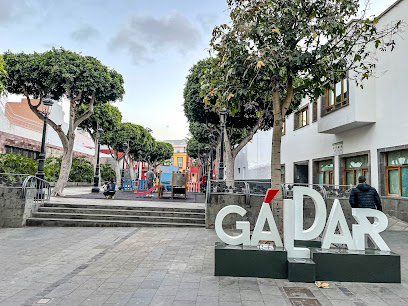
(97, 168)
(47, 103)
(223, 116)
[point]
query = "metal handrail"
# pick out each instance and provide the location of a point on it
(26, 182)
(44, 188)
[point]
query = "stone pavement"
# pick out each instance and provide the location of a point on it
(157, 266)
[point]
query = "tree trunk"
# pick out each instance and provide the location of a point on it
(118, 172)
(276, 174)
(131, 170)
(66, 164)
(217, 158)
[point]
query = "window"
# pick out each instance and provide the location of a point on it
(282, 174)
(325, 172)
(337, 96)
(23, 152)
(355, 167)
(396, 173)
(180, 162)
(314, 106)
(301, 118)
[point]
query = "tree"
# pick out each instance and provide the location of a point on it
(207, 77)
(105, 116)
(296, 48)
(136, 138)
(160, 152)
(3, 75)
(62, 73)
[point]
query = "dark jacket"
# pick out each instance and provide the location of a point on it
(365, 196)
(111, 187)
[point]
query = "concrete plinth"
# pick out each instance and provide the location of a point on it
(248, 261)
(369, 266)
(301, 270)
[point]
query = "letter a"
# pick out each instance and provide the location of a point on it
(265, 214)
(337, 217)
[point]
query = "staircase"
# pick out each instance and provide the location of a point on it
(64, 214)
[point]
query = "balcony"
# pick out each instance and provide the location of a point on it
(360, 111)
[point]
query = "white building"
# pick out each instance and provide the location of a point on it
(360, 132)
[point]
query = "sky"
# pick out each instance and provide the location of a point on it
(153, 44)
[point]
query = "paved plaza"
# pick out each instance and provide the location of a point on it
(158, 266)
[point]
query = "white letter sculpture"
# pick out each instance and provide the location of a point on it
(293, 220)
(244, 237)
(265, 214)
(364, 227)
(337, 217)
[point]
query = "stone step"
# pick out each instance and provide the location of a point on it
(147, 212)
(104, 223)
(133, 218)
(124, 207)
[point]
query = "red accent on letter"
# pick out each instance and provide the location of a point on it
(270, 194)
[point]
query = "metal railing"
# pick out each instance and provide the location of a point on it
(27, 182)
(260, 187)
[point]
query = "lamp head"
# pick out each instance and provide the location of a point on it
(47, 102)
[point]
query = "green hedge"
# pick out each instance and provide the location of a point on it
(107, 173)
(81, 171)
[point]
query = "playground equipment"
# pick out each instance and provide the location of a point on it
(134, 185)
(170, 180)
(194, 186)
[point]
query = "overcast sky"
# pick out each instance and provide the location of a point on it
(152, 44)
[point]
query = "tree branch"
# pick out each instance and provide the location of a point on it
(88, 114)
(249, 137)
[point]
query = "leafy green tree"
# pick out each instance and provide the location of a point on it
(206, 80)
(105, 116)
(160, 152)
(295, 48)
(196, 149)
(137, 139)
(107, 172)
(83, 80)
(3, 75)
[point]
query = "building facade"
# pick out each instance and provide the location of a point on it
(348, 132)
(21, 132)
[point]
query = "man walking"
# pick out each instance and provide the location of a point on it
(150, 179)
(365, 196)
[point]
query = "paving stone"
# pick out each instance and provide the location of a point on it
(186, 295)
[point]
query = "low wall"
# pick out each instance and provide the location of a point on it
(15, 208)
(396, 207)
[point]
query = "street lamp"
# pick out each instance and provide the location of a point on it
(96, 177)
(47, 104)
(125, 147)
(223, 117)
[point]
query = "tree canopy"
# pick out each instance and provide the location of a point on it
(105, 116)
(160, 152)
(59, 73)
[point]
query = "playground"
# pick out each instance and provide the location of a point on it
(169, 184)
